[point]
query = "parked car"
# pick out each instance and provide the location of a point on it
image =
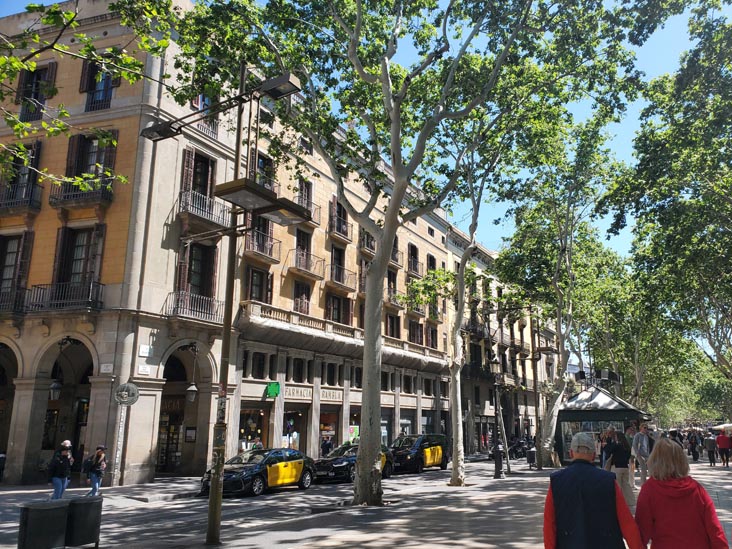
(415, 452)
(340, 463)
(256, 471)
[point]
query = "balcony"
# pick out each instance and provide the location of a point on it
(434, 313)
(210, 127)
(20, 199)
(65, 296)
(395, 298)
(12, 301)
(314, 209)
(362, 284)
(341, 278)
(415, 308)
(340, 229)
(202, 213)
(301, 305)
(306, 264)
(70, 196)
(194, 307)
(366, 243)
(477, 329)
(414, 266)
(396, 258)
(267, 180)
(261, 246)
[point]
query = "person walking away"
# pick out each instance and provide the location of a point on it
(620, 461)
(674, 510)
(59, 472)
(585, 506)
(710, 444)
(94, 467)
(326, 447)
(642, 449)
(693, 445)
(724, 443)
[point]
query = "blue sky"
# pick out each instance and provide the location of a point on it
(658, 56)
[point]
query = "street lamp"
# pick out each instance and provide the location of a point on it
(497, 455)
(246, 194)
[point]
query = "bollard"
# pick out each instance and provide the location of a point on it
(43, 524)
(84, 521)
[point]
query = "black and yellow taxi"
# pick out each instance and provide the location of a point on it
(256, 471)
(340, 463)
(415, 452)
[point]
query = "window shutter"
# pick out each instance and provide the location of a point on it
(270, 286)
(72, 156)
(96, 251)
(211, 177)
(183, 254)
(110, 151)
(214, 256)
(349, 315)
(87, 74)
(51, 78)
(333, 208)
(248, 290)
(22, 85)
(34, 150)
(61, 258)
(329, 307)
(187, 179)
(22, 261)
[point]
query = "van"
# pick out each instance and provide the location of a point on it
(415, 452)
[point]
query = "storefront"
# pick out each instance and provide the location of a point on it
(294, 428)
(253, 424)
(328, 428)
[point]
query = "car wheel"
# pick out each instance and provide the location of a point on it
(388, 470)
(306, 480)
(352, 474)
(420, 466)
(258, 486)
(443, 465)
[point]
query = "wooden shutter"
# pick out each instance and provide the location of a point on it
(72, 156)
(183, 255)
(349, 313)
(186, 183)
(110, 151)
(87, 75)
(270, 286)
(248, 289)
(34, 153)
(214, 257)
(22, 261)
(211, 177)
(21, 90)
(329, 307)
(50, 85)
(96, 252)
(61, 258)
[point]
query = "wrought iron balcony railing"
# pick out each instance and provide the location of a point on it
(307, 203)
(196, 307)
(308, 263)
(68, 194)
(21, 196)
(12, 300)
(205, 207)
(397, 257)
(342, 276)
(367, 242)
(395, 297)
(340, 227)
(414, 266)
(262, 243)
(65, 295)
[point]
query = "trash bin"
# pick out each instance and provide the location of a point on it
(84, 521)
(43, 524)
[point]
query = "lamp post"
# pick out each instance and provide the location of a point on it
(497, 454)
(242, 193)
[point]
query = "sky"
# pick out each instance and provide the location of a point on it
(658, 56)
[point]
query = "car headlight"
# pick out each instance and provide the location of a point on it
(341, 464)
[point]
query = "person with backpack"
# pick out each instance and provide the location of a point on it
(59, 471)
(94, 467)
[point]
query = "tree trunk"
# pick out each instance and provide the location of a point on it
(458, 454)
(549, 425)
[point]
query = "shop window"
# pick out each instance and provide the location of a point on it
(258, 366)
(298, 370)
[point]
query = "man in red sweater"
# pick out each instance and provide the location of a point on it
(585, 506)
(724, 443)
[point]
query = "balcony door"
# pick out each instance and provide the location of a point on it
(78, 266)
(14, 259)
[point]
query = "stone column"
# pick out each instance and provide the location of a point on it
(313, 427)
(396, 420)
(26, 431)
(248, 366)
(101, 417)
(289, 369)
(277, 411)
(418, 411)
(140, 441)
(346, 405)
(437, 408)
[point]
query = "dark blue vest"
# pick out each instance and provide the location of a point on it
(584, 505)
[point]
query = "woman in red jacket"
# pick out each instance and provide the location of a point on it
(673, 510)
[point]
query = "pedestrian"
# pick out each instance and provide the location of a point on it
(724, 443)
(642, 449)
(620, 462)
(59, 471)
(585, 506)
(326, 446)
(94, 467)
(629, 434)
(257, 444)
(693, 445)
(674, 510)
(710, 444)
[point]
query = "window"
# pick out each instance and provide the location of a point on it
(430, 231)
(443, 240)
(265, 175)
(78, 255)
(476, 396)
(305, 193)
(34, 87)
(358, 377)
(18, 184)
(391, 281)
(431, 262)
(306, 146)
(408, 384)
(427, 387)
(260, 286)
(97, 84)
(266, 117)
(392, 326)
(432, 337)
(259, 370)
(444, 389)
(415, 332)
(198, 173)
(14, 259)
(88, 156)
(339, 218)
(330, 374)
(197, 269)
(413, 259)
(384, 381)
(302, 297)
(339, 309)
(302, 246)
(298, 370)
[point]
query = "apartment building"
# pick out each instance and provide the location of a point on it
(124, 284)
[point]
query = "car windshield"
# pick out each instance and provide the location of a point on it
(252, 457)
(345, 450)
(404, 442)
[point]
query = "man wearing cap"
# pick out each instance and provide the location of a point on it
(642, 450)
(585, 506)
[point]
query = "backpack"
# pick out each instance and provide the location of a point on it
(86, 467)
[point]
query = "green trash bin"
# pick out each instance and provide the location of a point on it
(43, 524)
(84, 521)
